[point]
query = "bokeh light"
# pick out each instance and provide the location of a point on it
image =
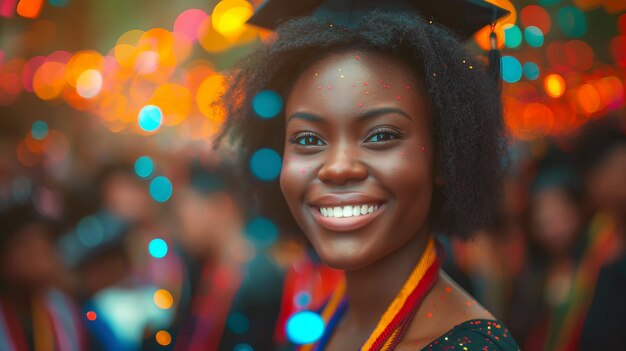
(144, 166)
(163, 299)
(91, 316)
(188, 23)
(265, 164)
(262, 232)
(209, 92)
(618, 50)
(554, 85)
(89, 83)
(29, 8)
(59, 3)
(511, 69)
(229, 17)
(512, 36)
(537, 16)
(163, 338)
(174, 101)
(237, 323)
(39, 130)
(305, 327)
(578, 55)
(157, 248)
(533, 36)
(243, 347)
(150, 118)
(90, 231)
(572, 21)
(589, 98)
(531, 70)
(161, 189)
(49, 80)
(302, 299)
(267, 104)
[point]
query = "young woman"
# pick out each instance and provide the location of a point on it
(390, 132)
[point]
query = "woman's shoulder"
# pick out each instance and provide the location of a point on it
(476, 334)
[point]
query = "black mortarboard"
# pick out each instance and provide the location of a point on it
(463, 17)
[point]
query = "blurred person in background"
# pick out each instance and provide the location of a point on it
(235, 285)
(545, 296)
(602, 156)
(125, 292)
(34, 313)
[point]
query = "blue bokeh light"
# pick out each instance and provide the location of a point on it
(39, 130)
(548, 2)
(237, 323)
(533, 36)
(267, 104)
(161, 189)
(59, 3)
(243, 347)
(265, 164)
(531, 70)
(150, 118)
(305, 327)
(512, 36)
(157, 248)
(511, 69)
(572, 21)
(90, 231)
(302, 299)
(262, 232)
(144, 166)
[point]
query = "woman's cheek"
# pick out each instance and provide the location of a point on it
(292, 174)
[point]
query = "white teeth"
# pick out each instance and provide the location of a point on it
(338, 212)
(348, 211)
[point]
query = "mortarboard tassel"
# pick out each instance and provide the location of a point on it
(494, 53)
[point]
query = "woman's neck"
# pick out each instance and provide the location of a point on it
(371, 290)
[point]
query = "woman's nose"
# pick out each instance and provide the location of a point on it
(341, 166)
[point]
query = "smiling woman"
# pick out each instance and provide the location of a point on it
(390, 133)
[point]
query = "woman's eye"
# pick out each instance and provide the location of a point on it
(307, 140)
(382, 136)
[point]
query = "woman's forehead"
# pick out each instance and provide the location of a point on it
(354, 80)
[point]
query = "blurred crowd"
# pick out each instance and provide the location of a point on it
(116, 236)
(111, 261)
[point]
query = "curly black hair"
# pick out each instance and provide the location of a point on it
(467, 127)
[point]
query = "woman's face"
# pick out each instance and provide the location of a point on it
(358, 160)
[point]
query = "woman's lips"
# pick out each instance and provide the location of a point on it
(356, 216)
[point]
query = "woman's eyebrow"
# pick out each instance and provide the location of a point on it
(366, 115)
(383, 111)
(305, 116)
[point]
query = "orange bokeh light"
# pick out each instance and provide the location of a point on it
(208, 93)
(482, 36)
(554, 85)
(29, 8)
(49, 80)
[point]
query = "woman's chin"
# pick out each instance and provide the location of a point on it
(343, 259)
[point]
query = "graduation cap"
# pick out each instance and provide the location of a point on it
(462, 17)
